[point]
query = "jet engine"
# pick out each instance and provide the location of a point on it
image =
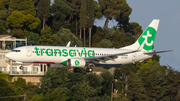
(76, 62)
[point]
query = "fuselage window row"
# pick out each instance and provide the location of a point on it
(71, 53)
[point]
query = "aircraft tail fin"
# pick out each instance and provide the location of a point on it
(146, 40)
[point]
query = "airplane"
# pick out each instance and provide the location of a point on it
(79, 57)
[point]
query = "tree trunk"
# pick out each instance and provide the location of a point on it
(106, 23)
(44, 21)
(80, 33)
(76, 26)
(84, 37)
(126, 86)
(90, 28)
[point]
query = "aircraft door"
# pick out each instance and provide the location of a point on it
(29, 52)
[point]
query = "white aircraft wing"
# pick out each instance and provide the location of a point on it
(105, 58)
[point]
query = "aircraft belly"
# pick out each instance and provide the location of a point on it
(119, 61)
(47, 59)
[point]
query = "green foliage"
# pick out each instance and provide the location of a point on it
(75, 78)
(153, 77)
(99, 35)
(60, 10)
(107, 82)
(23, 5)
(117, 73)
(95, 81)
(90, 13)
(114, 9)
(20, 82)
(46, 37)
(9, 88)
(30, 90)
(44, 10)
(83, 14)
(109, 33)
(136, 29)
(136, 90)
(20, 22)
(121, 40)
(33, 36)
(97, 11)
(4, 4)
(105, 43)
(56, 95)
(81, 92)
(64, 35)
(53, 78)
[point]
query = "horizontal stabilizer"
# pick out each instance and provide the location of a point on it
(154, 52)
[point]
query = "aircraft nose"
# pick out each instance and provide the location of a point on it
(9, 55)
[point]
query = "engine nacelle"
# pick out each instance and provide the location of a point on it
(76, 63)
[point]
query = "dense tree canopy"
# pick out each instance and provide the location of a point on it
(23, 5)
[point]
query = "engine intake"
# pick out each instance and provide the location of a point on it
(76, 63)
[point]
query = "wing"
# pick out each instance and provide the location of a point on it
(105, 58)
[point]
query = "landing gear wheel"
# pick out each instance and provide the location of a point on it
(76, 69)
(89, 69)
(21, 67)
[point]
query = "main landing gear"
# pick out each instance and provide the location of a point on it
(88, 69)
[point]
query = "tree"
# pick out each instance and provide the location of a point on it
(105, 43)
(53, 78)
(136, 90)
(44, 10)
(136, 29)
(46, 37)
(23, 5)
(33, 36)
(81, 92)
(64, 35)
(20, 22)
(61, 10)
(153, 77)
(172, 78)
(83, 18)
(95, 81)
(127, 69)
(4, 4)
(75, 11)
(56, 95)
(106, 83)
(90, 18)
(113, 9)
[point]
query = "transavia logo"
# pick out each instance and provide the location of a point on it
(76, 62)
(148, 38)
(64, 52)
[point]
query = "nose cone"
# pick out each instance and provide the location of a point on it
(9, 55)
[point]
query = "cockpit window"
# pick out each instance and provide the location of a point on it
(16, 50)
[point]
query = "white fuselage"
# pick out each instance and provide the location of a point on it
(57, 54)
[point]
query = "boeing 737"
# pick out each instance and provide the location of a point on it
(79, 57)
